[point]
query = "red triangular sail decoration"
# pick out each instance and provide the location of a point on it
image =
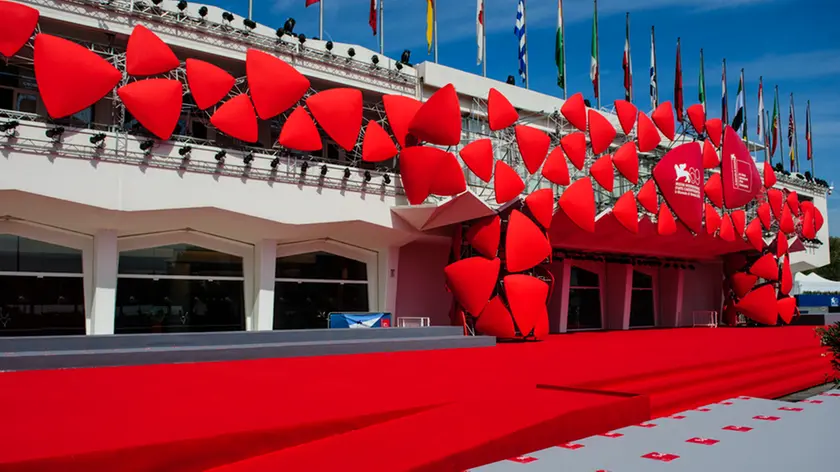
(679, 176)
(300, 133)
(739, 221)
(663, 117)
(377, 145)
(471, 281)
(760, 305)
(714, 190)
(626, 212)
(781, 244)
(19, 23)
(525, 244)
(786, 282)
(601, 132)
(555, 169)
(484, 235)
(697, 117)
(275, 85)
(533, 146)
(448, 177)
(438, 121)
(574, 145)
(527, 297)
(809, 230)
(208, 83)
(507, 183)
(237, 119)
(763, 212)
(647, 135)
(400, 110)
(496, 320)
(478, 156)
(626, 160)
(574, 109)
(742, 283)
(417, 168)
(146, 54)
(712, 219)
(339, 112)
(740, 179)
(665, 223)
(714, 128)
(578, 203)
(786, 307)
(500, 112)
(786, 221)
(766, 267)
(710, 156)
(627, 113)
(769, 175)
(776, 200)
(155, 104)
(793, 202)
(727, 231)
(541, 205)
(70, 77)
(754, 234)
(602, 171)
(647, 197)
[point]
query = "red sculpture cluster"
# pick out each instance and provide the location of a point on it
(502, 290)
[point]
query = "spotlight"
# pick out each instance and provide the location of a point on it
(386, 178)
(182, 5)
(303, 167)
(9, 125)
(511, 80)
(156, 2)
(280, 33)
(227, 16)
(275, 162)
(301, 38)
(220, 156)
(202, 12)
(289, 26)
(329, 45)
(399, 66)
(324, 170)
(147, 145)
(405, 57)
(316, 38)
(691, 267)
(351, 52)
(250, 24)
(374, 59)
(249, 158)
(346, 173)
(55, 133)
(185, 150)
(97, 138)
(367, 176)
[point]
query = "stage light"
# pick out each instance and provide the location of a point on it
(405, 57)
(289, 26)
(55, 133)
(301, 38)
(511, 80)
(346, 173)
(303, 167)
(97, 138)
(220, 156)
(324, 170)
(367, 176)
(386, 178)
(587, 103)
(399, 66)
(249, 158)
(182, 5)
(147, 145)
(351, 52)
(275, 162)
(157, 2)
(374, 59)
(9, 125)
(202, 12)
(251, 24)
(185, 150)
(691, 267)
(227, 16)
(280, 33)
(329, 45)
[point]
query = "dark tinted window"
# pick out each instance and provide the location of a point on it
(584, 308)
(642, 280)
(320, 265)
(180, 259)
(28, 255)
(41, 306)
(583, 278)
(307, 305)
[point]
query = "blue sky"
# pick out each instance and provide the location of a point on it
(792, 44)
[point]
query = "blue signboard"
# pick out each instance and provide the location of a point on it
(819, 300)
(360, 320)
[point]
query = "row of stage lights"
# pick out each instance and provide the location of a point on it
(288, 29)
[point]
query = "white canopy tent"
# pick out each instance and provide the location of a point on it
(814, 283)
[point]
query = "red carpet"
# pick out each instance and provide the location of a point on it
(424, 410)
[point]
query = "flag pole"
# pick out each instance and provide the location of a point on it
(435, 29)
(597, 57)
(809, 139)
(655, 68)
(525, 28)
(767, 156)
(744, 91)
(795, 137)
(629, 63)
(320, 19)
(484, 39)
(250, 9)
(563, 37)
(724, 99)
(382, 27)
(702, 84)
(779, 129)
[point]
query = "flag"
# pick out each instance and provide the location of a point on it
(809, 145)
(519, 31)
(701, 94)
(724, 109)
(560, 48)
(430, 24)
(774, 124)
(654, 93)
(593, 60)
(791, 134)
(374, 11)
(678, 85)
(760, 122)
(738, 121)
(479, 29)
(626, 64)
(312, 2)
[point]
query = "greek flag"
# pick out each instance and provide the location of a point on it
(519, 31)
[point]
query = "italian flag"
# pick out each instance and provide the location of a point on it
(559, 48)
(593, 62)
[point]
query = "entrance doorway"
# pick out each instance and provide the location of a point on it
(642, 301)
(585, 311)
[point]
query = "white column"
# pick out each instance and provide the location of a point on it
(101, 262)
(389, 261)
(261, 316)
(564, 295)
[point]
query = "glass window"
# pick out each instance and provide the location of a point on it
(642, 280)
(641, 308)
(41, 306)
(583, 278)
(180, 259)
(28, 255)
(307, 305)
(584, 309)
(27, 103)
(177, 305)
(320, 266)
(6, 98)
